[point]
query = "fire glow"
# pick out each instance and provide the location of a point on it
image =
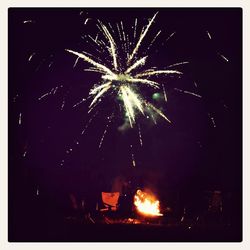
(147, 204)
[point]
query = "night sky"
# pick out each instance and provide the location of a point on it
(201, 150)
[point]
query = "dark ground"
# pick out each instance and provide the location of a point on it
(76, 231)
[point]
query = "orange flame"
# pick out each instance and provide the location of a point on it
(146, 204)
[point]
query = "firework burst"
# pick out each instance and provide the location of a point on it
(125, 73)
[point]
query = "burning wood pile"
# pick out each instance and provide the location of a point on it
(146, 209)
(146, 204)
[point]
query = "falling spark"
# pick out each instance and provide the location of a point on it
(50, 64)
(31, 56)
(140, 136)
(212, 119)
(132, 156)
(209, 35)
(37, 191)
(87, 19)
(44, 95)
(55, 89)
(63, 103)
(170, 36)
(105, 131)
(15, 97)
(39, 65)
(28, 21)
(51, 92)
(195, 84)
(153, 118)
(223, 57)
(159, 32)
(20, 119)
(78, 103)
(24, 154)
(88, 123)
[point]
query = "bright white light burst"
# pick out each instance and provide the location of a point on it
(124, 81)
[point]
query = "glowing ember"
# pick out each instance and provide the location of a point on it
(146, 204)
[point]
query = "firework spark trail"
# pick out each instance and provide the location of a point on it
(112, 49)
(28, 21)
(187, 92)
(159, 32)
(153, 118)
(95, 41)
(96, 38)
(176, 64)
(158, 72)
(212, 120)
(87, 19)
(91, 61)
(63, 103)
(192, 93)
(170, 36)
(24, 153)
(128, 105)
(127, 78)
(119, 31)
(44, 95)
(20, 119)
(51, 64)
(140, 136)
(92, 69)
(141, 38)
(135, 27)
(51, 92)
(76, 61)
(111, 28)
(31, 56)
(145, 81)
(78, 103)
(209, 35)
(106, 129)
(88, 123)
(223, 57)
(134, 98)
(123, 32)
(158, 111)
(164, 93)
(95, 90)
(138, 63)
(132, 156)
(102, 91)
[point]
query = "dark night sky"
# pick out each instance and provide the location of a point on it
(188, 154)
